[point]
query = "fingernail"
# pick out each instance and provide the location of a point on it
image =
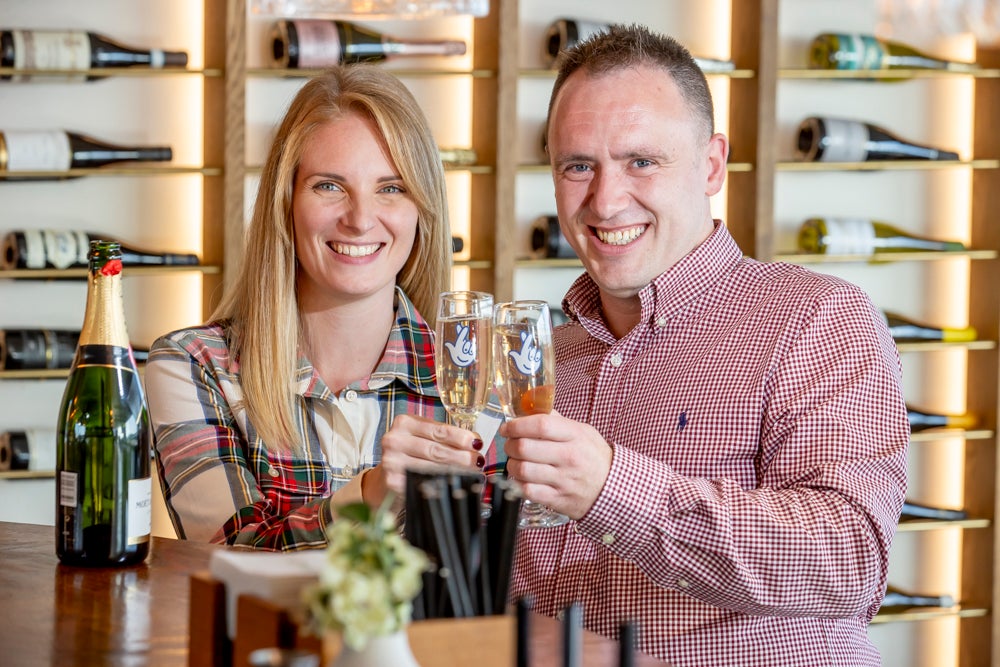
(477, 444)
(480, 461)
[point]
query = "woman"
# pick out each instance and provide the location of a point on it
(313, 385)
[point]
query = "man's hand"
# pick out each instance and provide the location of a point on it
(560, 463)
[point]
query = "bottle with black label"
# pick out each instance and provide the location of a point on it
(912, 510)
(75, 51)
(318, 43)
(55, 249)
(59, 151)
(103, 435)
(547, 240)
(843, 140)
(38, 349)
(921, 420)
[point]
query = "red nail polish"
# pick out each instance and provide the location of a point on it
(480, 461)
(477, 444)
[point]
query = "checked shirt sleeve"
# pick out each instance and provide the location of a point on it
(206, 464)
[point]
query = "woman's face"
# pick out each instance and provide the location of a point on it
(355, 222)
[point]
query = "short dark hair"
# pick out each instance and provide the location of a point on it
(623, 46)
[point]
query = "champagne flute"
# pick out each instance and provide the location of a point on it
(525, 377)
(462, 352)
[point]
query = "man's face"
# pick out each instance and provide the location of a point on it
(633, 172)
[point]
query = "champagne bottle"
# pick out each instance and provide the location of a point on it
(896, 598)
(75, 50)
(36, 349)
(313, 43)
(838, 50)
(912, 510)
(904, 330)
(921, 420)
(33, 449)
(103, 436)
(842, 140)
(60, 150)
(547, 239)
(566, 33)
(861, 236)
(54, 249)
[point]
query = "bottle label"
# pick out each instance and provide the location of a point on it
(844, 141)
(49, 247)
(140, 512)
(41, 449)
(37, 150)
(858, 51)
(68, 489)
(51, 50)
(849, 236)
(319, 43)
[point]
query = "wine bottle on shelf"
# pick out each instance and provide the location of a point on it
(912, 510)
(38, 349)
(905, 330)
(547, 240)
(457, 244)
(314, 43)
(54, 249)
(843, 140)
(859, 51)
(32, 449)
(75, 50)
(461, 157)
(60, 150)
(861, 236)
(897, 598)
(103, 435)
(921, 420)
(566, 33)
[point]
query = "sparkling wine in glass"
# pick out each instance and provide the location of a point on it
(463, 353)
(525, 377)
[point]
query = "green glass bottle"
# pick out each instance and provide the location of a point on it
(103, 436)
(858, 51)
(861, 236)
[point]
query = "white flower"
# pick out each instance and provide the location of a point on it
(370, 578)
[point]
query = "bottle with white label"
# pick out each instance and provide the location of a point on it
(861, 236)
(103, 435)
(65, 249)
(30, 449)
(56, 151)
(844, 140)
(75, 51)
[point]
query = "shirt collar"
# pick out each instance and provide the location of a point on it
(669, 293)
(408, 358)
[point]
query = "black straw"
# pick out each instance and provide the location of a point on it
(573, 635)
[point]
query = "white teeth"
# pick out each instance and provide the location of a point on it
(354, 250)
(621, 236)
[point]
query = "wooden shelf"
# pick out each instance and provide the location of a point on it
(919, 525)
(936, 434)
(44, 373)
(888, 165)
(129, 269)
(28, 474)
(544, 73)
(279, 73)
(934, 346)
(15, 176)
(885, 257)
(882, 76)
(109, 73)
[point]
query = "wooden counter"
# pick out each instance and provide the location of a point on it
(51, 614)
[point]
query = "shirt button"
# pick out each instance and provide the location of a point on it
(616, 360)
(682, 583)
(608, 539)
(351, 395)
(272, 471)
(661, 322)
(348, 471)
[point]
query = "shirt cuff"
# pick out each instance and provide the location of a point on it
(348, 493)
(630, 506)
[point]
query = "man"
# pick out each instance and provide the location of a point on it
(729, 436)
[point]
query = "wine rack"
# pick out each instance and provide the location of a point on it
(758, 104)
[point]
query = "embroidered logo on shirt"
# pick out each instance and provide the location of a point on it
(462, 351)
(682, 421)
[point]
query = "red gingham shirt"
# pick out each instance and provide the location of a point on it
(760, 437)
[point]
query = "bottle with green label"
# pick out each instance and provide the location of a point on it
(859, 51)
(103, 436)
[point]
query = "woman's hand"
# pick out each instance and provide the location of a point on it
(421, 444)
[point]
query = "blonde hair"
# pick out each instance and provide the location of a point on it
(261, 305)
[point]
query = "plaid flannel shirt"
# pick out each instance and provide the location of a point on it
(220, 481)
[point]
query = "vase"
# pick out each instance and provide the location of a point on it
(391, 650)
